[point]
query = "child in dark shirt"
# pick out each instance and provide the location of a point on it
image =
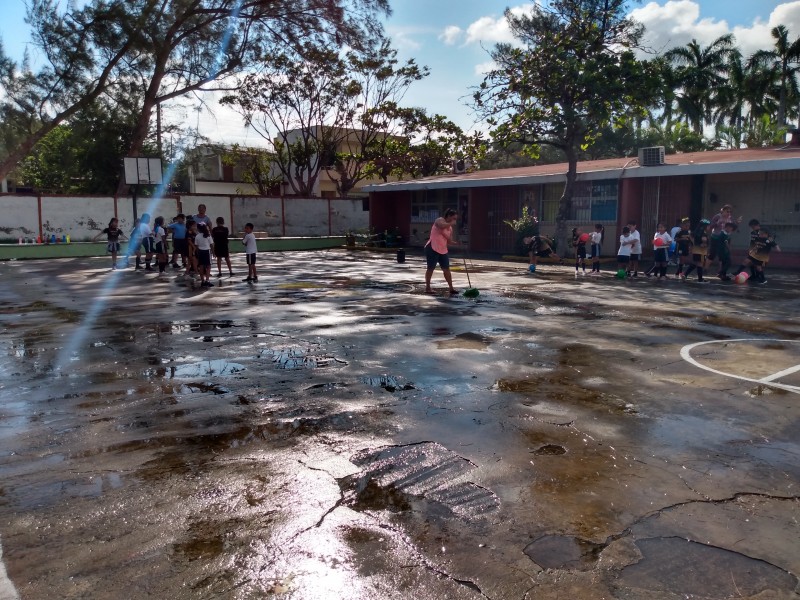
(113, 233)
(758, 255)
(722, 244)
(683, 247)
(221, 251)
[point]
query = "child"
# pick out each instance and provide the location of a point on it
(203, 241)
(661, 242)
(220, 235)
(250, 248)
(758, 255)
(626, 242)
(683, 246)
(160, 246)
(723, 248)
(596, 240)
(636, 250)
(179, 246)
(579, 243)
(113, 233)
(673, 247)
(700, 242)
(539, 246)
(191, 248)
(144, 236)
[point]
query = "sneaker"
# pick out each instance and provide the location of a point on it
(702, 281)
(219, 274)
(175, 265)
(138, 267)
(762, 282)
(248, 280)
(255, 279)
(231, 274)
(453, 292)
(113, 267)
(149, 268)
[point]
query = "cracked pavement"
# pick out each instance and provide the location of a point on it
(333, 432)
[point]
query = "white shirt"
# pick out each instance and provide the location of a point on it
(625, 245)
(249, 241)
(637, 242)
(202, 242)
(665, 237)
(159, 234)
(596, 237)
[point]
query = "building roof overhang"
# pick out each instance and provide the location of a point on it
(694, 163)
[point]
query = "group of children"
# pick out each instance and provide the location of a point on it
(194, 242)
(694, 250)
(690, 250)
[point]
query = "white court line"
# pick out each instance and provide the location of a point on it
(7, 589)
(687, 356)
(780, 374)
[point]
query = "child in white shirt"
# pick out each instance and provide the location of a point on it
(250, 249)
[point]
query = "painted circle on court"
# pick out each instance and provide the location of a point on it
(770, 380)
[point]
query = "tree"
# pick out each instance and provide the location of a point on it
(256, 166)
(328, 111)
(784, 60)
(83, 155)
(167, 49)
(574, 73)
(699, 73)
(376, 84)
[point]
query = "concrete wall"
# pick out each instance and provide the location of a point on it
(83, 217)
(264, 213)
(20, 217)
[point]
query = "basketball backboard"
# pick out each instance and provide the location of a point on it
(142, 170)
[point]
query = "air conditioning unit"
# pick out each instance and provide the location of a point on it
(651, 157)
(459, 166)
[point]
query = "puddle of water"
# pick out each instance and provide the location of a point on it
(563, 552)
(293, 358)
(689, 568)
(465, 341)
(550, 450)
(388, 382)
(297, 285)
(206, 368)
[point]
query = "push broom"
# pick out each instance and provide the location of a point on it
(470, 292)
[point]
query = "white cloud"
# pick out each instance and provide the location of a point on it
(484, 67)
(451, 35)
(677, 22)
(403, 39)
(488, 30)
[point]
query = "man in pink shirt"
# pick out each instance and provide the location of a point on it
(436, 249)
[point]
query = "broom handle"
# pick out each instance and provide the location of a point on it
(466, 270)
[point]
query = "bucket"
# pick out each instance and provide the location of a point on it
(401, 256)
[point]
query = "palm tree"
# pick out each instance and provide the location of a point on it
(785, 60)
(663, 107)
(700, 72)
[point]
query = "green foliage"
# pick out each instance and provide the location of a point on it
(527, 225)
(255, 165)
(572, 73)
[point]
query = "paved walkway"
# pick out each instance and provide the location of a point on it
(333, 432)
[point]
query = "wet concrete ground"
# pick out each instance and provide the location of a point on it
(333, 432)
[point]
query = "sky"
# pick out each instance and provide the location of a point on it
(453, 38)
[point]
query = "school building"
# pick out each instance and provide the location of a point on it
(762, 183)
